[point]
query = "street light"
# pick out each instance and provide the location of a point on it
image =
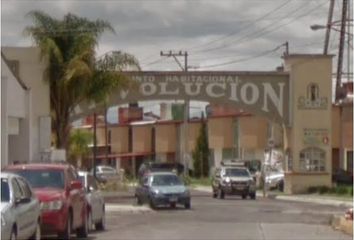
(331, 26)
(316, 27)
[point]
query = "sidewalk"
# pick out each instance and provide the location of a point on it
(309, 198)
(318, 199)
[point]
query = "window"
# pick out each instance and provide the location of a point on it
(5, 190)
(43, 178)
(349, 164)
(312, 160)
(312, 91)
(26, 190)
(17, 193)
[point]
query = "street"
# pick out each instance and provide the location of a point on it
(232, 218)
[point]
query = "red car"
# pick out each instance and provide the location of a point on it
(62, 197)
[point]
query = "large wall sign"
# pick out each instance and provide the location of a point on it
(264, 93)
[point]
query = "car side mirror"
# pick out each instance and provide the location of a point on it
(75, 185)
(22, 200)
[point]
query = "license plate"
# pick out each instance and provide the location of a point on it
(173, 199)
(238, 187)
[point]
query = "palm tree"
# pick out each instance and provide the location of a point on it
(74, 75)
(79, 142)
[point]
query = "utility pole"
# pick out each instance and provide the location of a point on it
(175, 55)
(328, 31)
(183, 146)
(349, 40)
(94, 143)
(341, 50)
(286, 44)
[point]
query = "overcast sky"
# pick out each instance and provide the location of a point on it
(217, 34)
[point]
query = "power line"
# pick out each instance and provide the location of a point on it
(263, 31)
(243, 59)
(244, 27)
(154, 62)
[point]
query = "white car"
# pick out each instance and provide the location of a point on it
(105, 173)
(20, 209)
(275, 180)
(95, 200)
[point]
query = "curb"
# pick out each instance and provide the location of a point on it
(341, 224)
(307, 199)
(127, 208)
(321, 201)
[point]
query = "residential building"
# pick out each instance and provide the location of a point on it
(25, 106)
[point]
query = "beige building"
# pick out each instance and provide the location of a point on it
(25, 110)
(342, 135)
(292, 111)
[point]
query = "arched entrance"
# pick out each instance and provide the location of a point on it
(298, 98)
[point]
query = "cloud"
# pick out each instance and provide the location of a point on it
(144, 28)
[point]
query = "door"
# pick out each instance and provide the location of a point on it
(77, 199)
(20, 210)
(96, 199)
(31, 208)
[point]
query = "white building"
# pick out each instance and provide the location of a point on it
(25, 106)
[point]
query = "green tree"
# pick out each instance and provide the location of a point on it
(74, 74)
(201, 152)
(79, 150)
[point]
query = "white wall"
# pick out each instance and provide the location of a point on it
(13, 111)
(31, 72)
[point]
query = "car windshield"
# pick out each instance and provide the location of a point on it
(108, 170)
(42, 178)
(5, 191)
(166, 180)
(236, 172)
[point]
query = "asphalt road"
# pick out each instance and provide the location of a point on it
(232, 218)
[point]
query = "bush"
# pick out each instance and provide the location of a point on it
(187, 180)
(339, 190)
(312, 189)
(342, 190)
(323, 189)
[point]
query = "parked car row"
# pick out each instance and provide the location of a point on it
(47, 198)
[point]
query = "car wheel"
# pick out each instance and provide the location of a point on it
(82, 232)
(253, 196)
(37, 234)
(280, 186)
(244, 196)
(187, 205)
(173, 205)
(67, 232)
(221, 193)
(215, 194)
(13, 235)
(89, 221)
(138, 201)
(152, 205)
(101, 225)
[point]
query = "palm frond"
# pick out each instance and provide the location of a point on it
(118, 61)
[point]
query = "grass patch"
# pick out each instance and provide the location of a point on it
(340, 190)
(197, 181)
